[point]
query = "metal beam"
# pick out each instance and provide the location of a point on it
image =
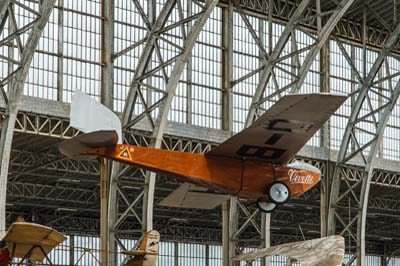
(106, 98)
(3, 13)
(227, 67)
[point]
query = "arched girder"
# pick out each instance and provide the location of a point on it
(368, 121)
(3, 13)
(276, 56)
(15, 91)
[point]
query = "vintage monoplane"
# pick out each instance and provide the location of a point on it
(254, 163)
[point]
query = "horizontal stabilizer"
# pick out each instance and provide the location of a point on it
(73, 147)
(190, 196)
(327, 251)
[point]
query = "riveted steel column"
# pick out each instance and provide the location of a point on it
(227, 121)
(266, 235)
(233, 227)
(227, 66)
(106, 98)
(60, 51)
(325, 130)
(265, 218)
(225, 233)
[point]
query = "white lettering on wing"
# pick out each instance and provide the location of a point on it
(296, 177)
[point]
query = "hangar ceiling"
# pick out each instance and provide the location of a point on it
(64, 193)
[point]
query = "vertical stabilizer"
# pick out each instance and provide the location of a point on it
(147, 250)
(87, 115)
(150, 244)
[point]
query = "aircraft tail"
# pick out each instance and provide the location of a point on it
(149, 242)
(147, 250)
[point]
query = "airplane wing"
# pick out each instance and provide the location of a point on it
(282, 130)
(21, 239)
(326, 251)
(191, 196)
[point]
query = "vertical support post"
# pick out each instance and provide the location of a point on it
(364, 37)
(225, 233)
(227, 66)
(325, 130)
(266, 235)
(380, 103)
(150, 179)
(207, 255)
(360, 230)
(11, 54)
(148, 201)
(325, 191)
(353, 86)
(265, 218)
(60, 52)
(104, 177)
(189, 72)
(233, 227)
(106, 98)
(176, 254)
(384, 261)
(107, 46)
(112, 210)
(324, 81)
(152, 16)
(71, 250)
(270, 26)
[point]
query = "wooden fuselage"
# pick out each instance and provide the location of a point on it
(242, 178)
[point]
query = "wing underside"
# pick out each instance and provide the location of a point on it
(191, 196)
(282, 130)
